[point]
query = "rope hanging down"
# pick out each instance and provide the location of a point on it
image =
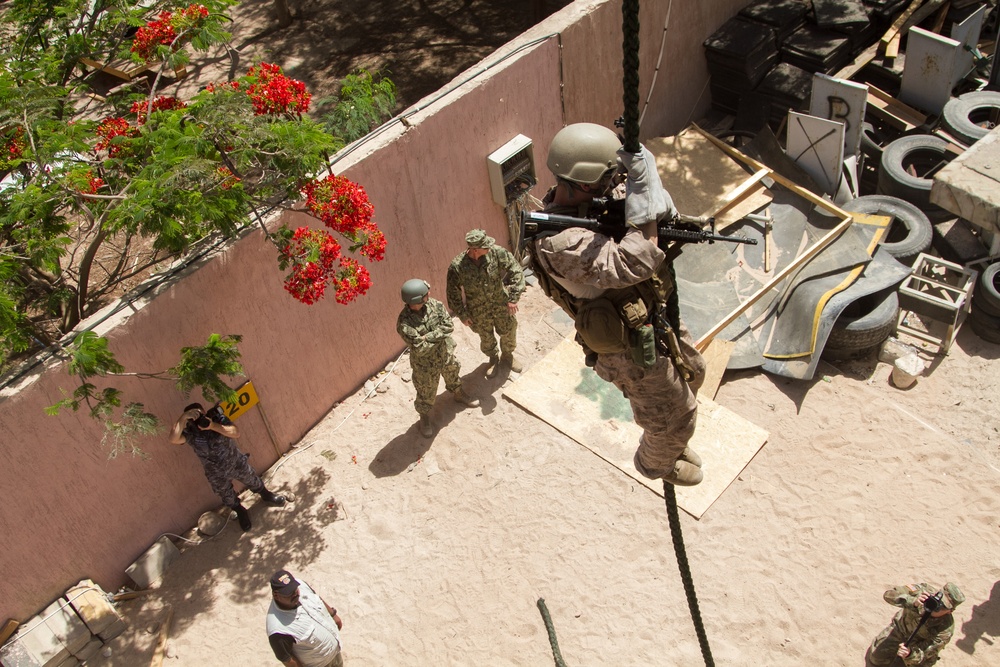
(556, 655)
(674, 519)
(630, 99)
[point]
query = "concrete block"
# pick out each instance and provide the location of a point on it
(893, 349)
(92, 648)
(50, 637)
(14, 654)
(955, 241)
(150, 566)
(66, 625)
(71, 661)
(92, 605)
(113, 630)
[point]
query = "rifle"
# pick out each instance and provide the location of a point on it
(611, 222)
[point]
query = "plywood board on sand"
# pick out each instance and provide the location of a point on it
(563, 392)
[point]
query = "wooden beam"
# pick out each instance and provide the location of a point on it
(161, 642)
(893, 112)
(8, 629)
(897, 25)
(742, 191)
(858, 63)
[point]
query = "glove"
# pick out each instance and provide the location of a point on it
(645, 199)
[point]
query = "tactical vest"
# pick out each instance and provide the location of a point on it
(619, 320)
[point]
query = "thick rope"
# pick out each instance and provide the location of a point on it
(552, 633)
(630, 69)
(682, 564)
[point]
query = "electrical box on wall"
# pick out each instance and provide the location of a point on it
(512, 169)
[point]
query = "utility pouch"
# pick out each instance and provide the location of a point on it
(644, 346)
(601, 327)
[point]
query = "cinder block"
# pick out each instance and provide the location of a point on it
(113, 630)
(92, 605)
(14, 654)
(50, 637)
(92, 648)
(150, 566)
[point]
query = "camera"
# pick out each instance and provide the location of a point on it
(933, 603)
(203, 422)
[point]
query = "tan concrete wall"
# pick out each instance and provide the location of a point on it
(66, 512)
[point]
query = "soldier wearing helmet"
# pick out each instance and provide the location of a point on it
(426, 327)
(921, 628)
(620, 293)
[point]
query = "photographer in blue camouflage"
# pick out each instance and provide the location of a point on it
(426, 327)
(211, 436)
(920, 629)
(492, 282)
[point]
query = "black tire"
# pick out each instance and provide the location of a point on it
(984, 326)
(909, 234)
(922, 153)
(866, 322)
(871, 143)
(971, 116)
(987, 294)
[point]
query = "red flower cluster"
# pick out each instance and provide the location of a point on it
(352, 280)
(109, 129)
(13, 146)
(212, 87)
(312, 253)
(341, 204)
(161, 103)
(271, 92)
(163, 29)
(228, 179)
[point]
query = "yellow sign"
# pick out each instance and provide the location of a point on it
(246, 398)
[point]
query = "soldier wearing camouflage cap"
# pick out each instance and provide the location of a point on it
(921, 628)
(426, 327)
(485, 283)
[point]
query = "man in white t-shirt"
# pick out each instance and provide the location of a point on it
(303, 630)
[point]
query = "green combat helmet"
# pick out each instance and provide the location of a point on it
(414, 291)
(584, 153)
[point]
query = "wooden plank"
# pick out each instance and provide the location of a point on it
(716, 359)
(8, 629)
(897, 25)
(799, 261)
(900, 116)
(858, 63)
(161, 641)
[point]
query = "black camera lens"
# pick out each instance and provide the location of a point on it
(932, 603)
(203, 422)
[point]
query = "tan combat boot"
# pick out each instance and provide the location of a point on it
(465, 399)
(426, 429)
(684, 474)
(690, 456)
(492, 367)
(510, 362)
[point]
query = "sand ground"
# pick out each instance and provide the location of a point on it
(436, 551)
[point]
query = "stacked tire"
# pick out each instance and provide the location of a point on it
(985, 315)
(971, 116)
(907, 169)
(862, 327)
(910, 232)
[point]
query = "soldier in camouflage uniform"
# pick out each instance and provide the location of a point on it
(579, 268)
(426, 327)
(492, 281)
(933, 634)
(211, 437)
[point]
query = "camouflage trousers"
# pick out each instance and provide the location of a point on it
(663, 404)
(233, 466)
(427, 376)
(882, 652)
(505, 326)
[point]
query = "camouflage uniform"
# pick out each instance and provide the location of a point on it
(933, 635)
(489, 285)
(222, 461)
(432, 351)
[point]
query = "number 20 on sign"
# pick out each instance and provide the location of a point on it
(246, 398)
